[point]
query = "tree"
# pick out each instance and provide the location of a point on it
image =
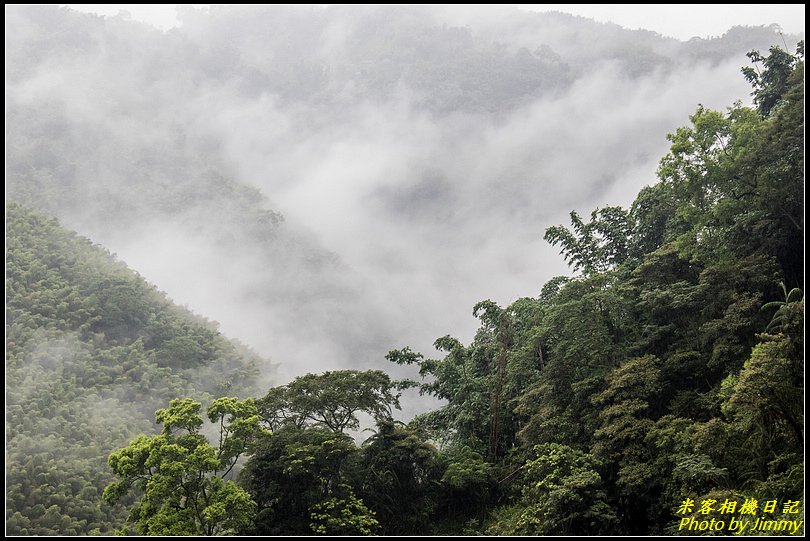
(331, 400)
(738, 178)
(401, 479)
(695, 165)
(563, 494)
(774, 164)
(346, 515)
(784, 309)
(764, 400)
(481, 381)
(499, 323)
(181, 477)
(292, 471)
(585, 328)
(624, 412)
(598, 245)
(462, 379)
(468, 484)
(655, 218)
(771, 83)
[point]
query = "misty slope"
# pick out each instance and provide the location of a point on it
(91, 351)
(413, 152)
(658, 391)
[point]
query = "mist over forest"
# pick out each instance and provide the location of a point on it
(326, 183)
(321, 184)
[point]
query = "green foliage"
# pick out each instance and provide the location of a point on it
(181, 476)
(487, 376)
(737, 178)
(771, 83)
(598, 245)
(563, 494)
(468, 484)
(331, 400)
(401, 479)
(343, 516)
(91, 351)
(657, 222)
(697, 473)
(782, 318)
(582, 329)
(764, 401)
(313, 477)
(624, 413)
(292, 471)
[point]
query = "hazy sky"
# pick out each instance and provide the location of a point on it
(682, 21)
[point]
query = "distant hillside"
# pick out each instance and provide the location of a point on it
(91, 350)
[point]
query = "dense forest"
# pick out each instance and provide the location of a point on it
(657, 385)
(91, 351)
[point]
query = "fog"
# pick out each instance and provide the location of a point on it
(332, 183)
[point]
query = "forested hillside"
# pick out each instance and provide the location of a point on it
(91, 351)
(660, 384)
(332, 182)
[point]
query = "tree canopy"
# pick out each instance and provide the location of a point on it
(182, 477)
(331, 400)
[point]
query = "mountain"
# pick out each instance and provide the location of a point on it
(92, 350)
(659, 386)
(312, 178)
(332, 182)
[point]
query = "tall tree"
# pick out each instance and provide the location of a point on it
(181, 477)
(400, 480)
(499, 322)
(563, 494)
(481, 382)
(331, 400)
